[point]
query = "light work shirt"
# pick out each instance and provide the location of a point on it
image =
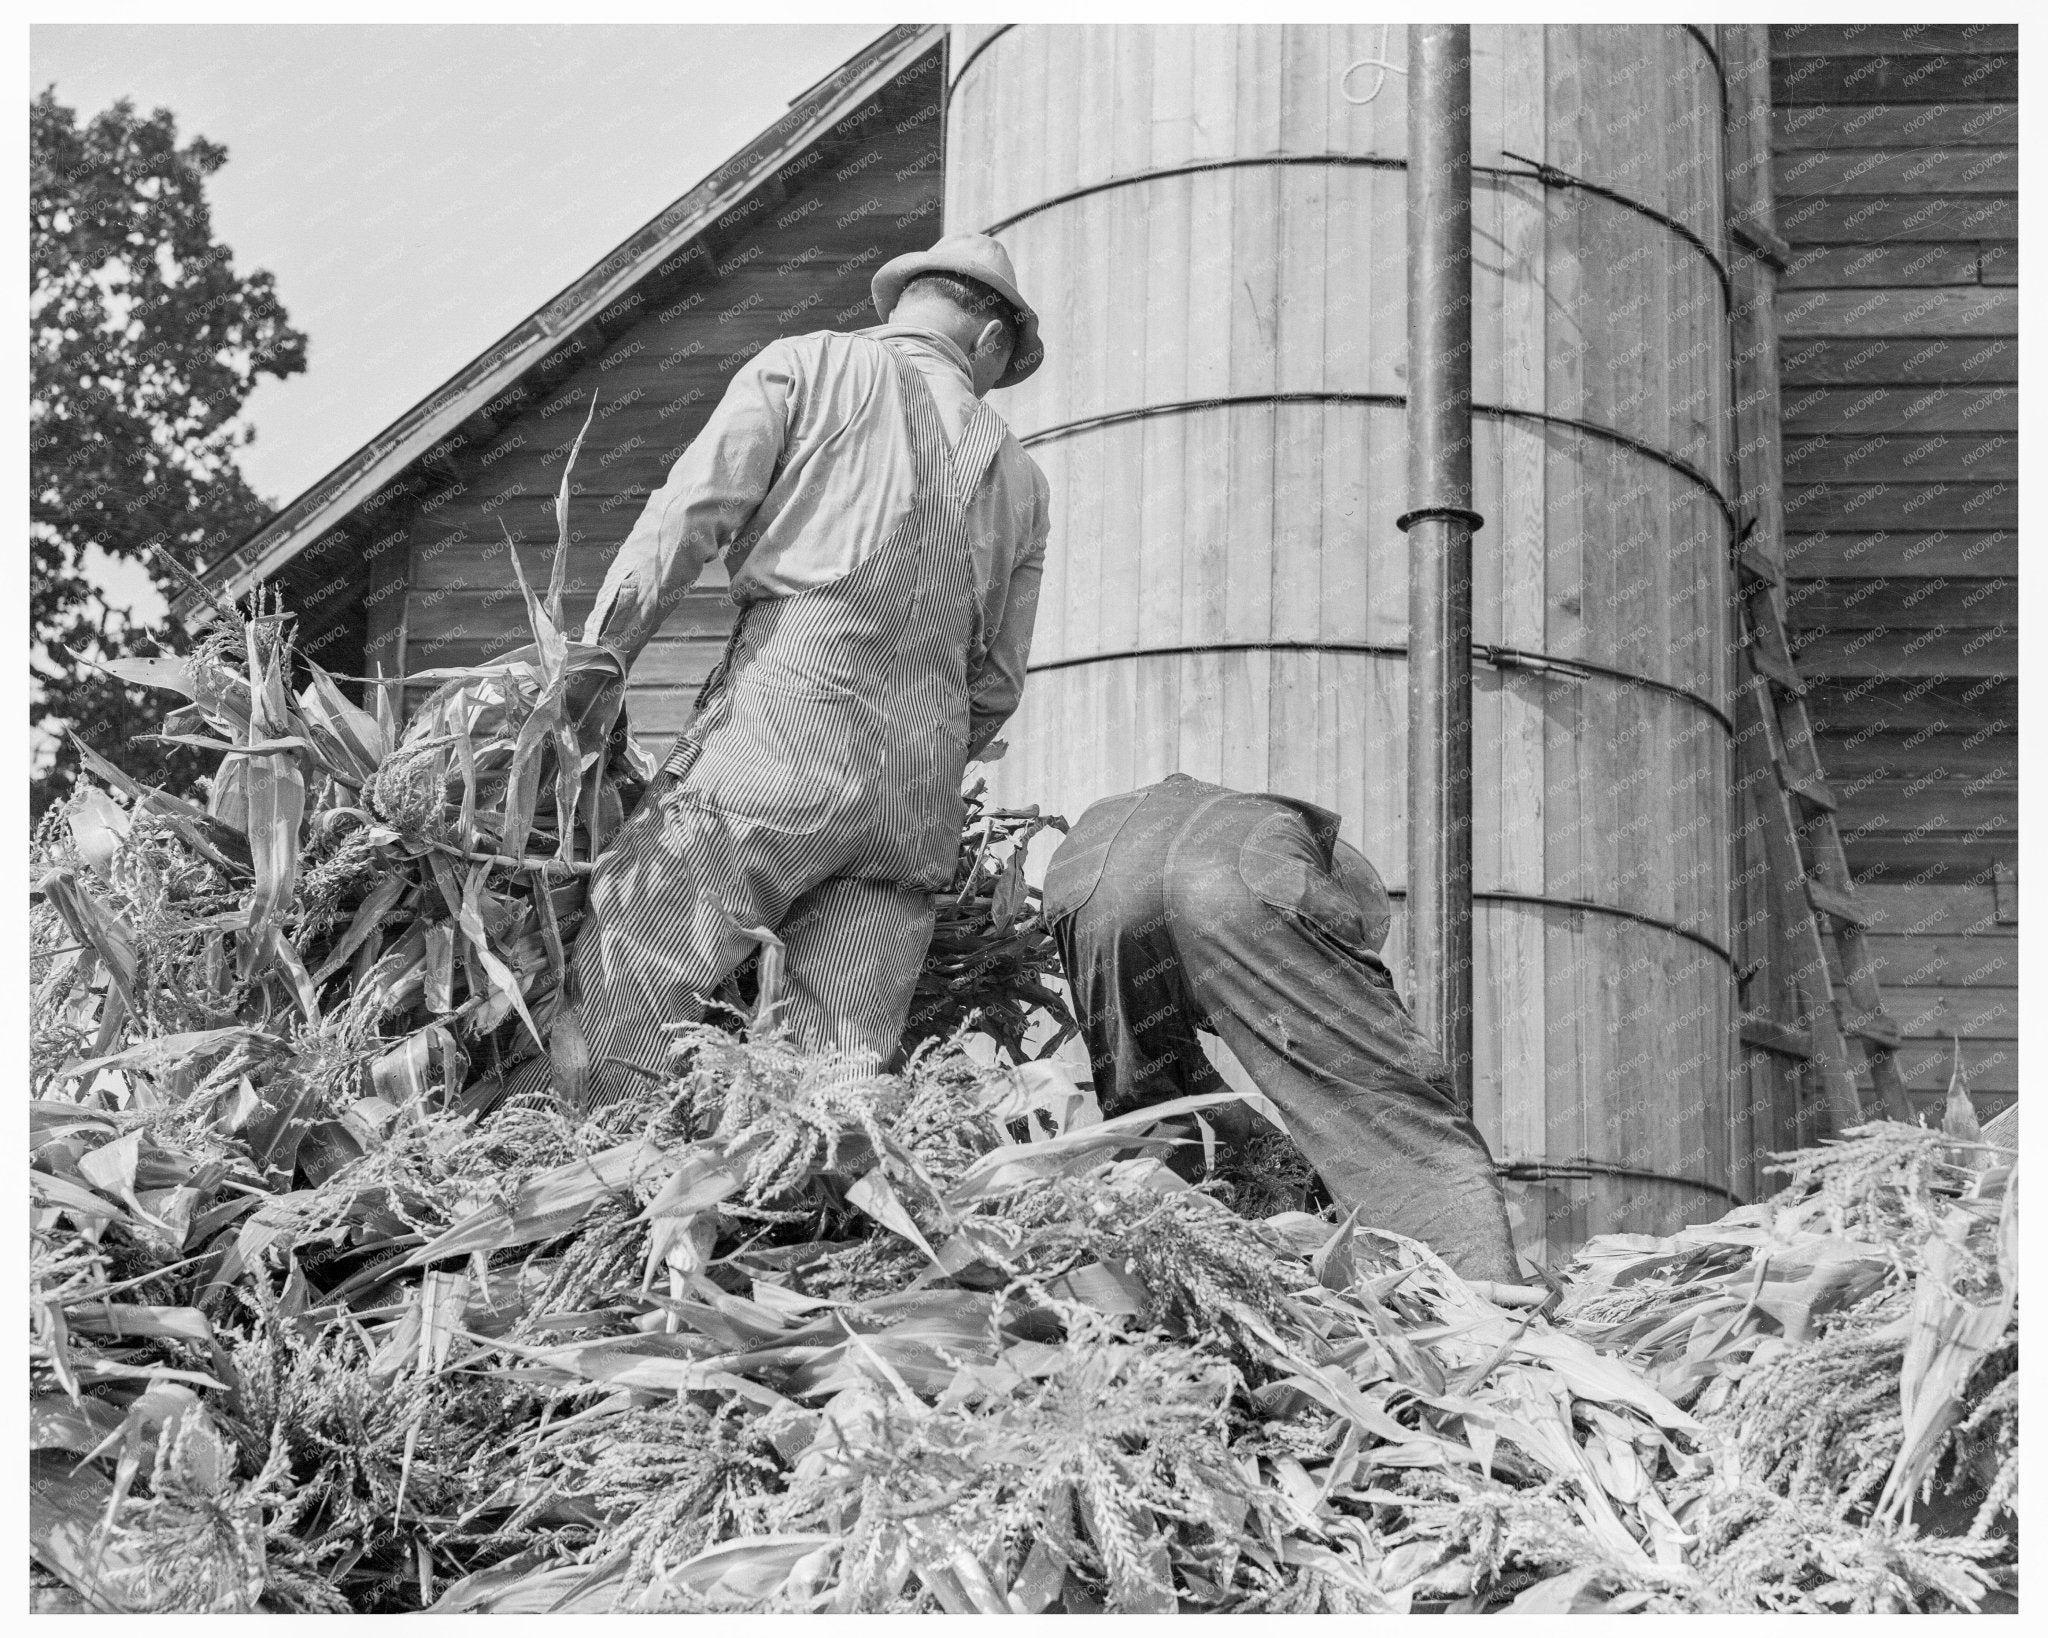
(802, 472)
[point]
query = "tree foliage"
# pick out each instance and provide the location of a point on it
(144, 343)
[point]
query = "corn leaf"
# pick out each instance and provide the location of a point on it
(872, 1194)
(165, 671)
(359, 733)
(275, 793)
(1015, 1164)
(558, 570)
(56, 1422)
(127, 1319)
(110, 937)
(98, 828)
(66, 1195)
(466, 831)
(550, 647)
(200, 831)
(502, 979)
(545, 1206)
(522, 791)
(381, 900)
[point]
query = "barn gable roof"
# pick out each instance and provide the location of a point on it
(387, 457)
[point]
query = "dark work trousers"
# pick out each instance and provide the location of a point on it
(1187, 906)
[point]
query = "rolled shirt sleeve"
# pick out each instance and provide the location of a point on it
(998, 683)
(703, 509)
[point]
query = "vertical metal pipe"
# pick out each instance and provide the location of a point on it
(1439, 524)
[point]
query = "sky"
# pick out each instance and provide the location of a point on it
(417, 191)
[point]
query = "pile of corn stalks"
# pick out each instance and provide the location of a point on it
(326, 1320)
(786, 1334)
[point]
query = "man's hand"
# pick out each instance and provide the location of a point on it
(596, 683)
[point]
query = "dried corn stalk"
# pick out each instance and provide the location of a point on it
(992, 961)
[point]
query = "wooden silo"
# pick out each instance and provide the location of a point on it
(1212, 219)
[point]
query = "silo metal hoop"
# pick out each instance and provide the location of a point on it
(1250, 162)
(1504, 896)
(1408, 520)
(1391, 400)
(1490, 654)
(1551, 177)
(1713, 57)
(973, 57)
(1591, 907)
(1541, 172)
(1572, 1171)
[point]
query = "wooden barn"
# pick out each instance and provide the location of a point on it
(1894, 153)
(1745, 438)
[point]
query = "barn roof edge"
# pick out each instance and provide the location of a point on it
(331, 498)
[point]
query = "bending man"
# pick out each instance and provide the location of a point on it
(1187, 906)
(885, 534)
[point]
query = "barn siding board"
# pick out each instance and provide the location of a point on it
(1830, 267)
(1922, 455)
(1900, 362)
(1826, 507)
(1810, 411)
(1850, 75)
(1858, 604)
(1881, 125)
(1885, 552)
(1978, 310)
(1893, 653)
(1814, 172)
(1850, 219)
(1892, 39)
(1906, 704)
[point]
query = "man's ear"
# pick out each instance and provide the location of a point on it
(991, 338)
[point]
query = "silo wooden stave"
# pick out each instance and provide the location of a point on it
(1212, 222)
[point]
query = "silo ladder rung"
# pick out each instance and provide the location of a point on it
(1813, 791)
(1878, 1028)
(1838, 902)
(1772, 1036)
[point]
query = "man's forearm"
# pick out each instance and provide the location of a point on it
(653, 572)
(715, 487)
(998, 684)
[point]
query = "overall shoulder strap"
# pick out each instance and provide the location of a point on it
(927, 432)
(980, 439)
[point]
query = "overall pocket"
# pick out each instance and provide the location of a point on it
(1076, 864)
(1279, 863)
(780, 760)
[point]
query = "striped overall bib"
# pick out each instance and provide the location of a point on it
(816, 793)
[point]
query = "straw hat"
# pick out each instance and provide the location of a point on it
(972, 256)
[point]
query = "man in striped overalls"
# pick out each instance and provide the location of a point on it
(885, 534)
